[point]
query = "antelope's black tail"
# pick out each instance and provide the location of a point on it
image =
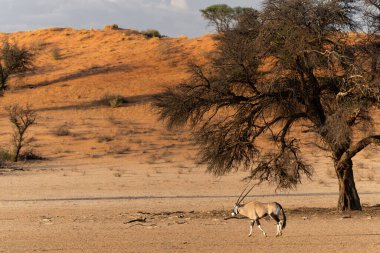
(283, 216)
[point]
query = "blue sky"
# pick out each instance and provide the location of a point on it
(170, 17)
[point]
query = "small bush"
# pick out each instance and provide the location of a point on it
(151, 33)
(111, 27)
(62, 130)
(104, 138)
(56, 54)
(6, 156)
(37, 45)
(117, 174)
(30, 156)
(113, 101)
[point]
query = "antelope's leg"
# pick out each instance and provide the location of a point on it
(259, 226)
(251, 227)
(275, 217)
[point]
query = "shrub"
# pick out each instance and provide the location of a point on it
(56, 54)
(37, 45)
(13, 60)
(21, 118)
(151, 33)
(104, 138)
(111, 27)
(30, 156)
(113, 100)
(5, 156)
(62, 130)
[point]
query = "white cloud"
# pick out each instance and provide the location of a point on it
(136, 14)
(180, 4)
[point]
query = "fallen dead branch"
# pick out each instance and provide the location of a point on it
(136, 220)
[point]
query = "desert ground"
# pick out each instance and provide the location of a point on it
(113, 179)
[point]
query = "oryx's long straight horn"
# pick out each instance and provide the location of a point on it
(245, 195)
(237, 202)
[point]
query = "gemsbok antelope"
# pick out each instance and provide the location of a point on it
(255, 210)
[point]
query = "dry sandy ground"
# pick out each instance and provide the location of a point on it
(112, 165)
(100, 227)
(84, 206)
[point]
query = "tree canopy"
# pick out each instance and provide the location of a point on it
(293, 62)
(222, 16)
(13, 60)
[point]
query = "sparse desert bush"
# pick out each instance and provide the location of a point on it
(104, 138)
(113, 101)
(56, 54)
(111, 27)
(168, 160)
(21, 118)
(116, 102)
(117, 174)
(62, 130)
(151, 33)
(119, 150)
(114, 120)
(5, 156)
(30, 156)
(37, 45)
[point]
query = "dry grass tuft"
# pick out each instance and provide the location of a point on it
(62, 130)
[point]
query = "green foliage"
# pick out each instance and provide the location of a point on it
(6, 156)
(111, 27)
(294, 63)
(372, 16)
(116, 102)
(222, 16)
(151, 33)
(13, 60)
(113, 100)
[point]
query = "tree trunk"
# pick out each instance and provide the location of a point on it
(348, 196)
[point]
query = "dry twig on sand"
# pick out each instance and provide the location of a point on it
(136, 220)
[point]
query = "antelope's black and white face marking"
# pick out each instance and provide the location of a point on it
(235, 211)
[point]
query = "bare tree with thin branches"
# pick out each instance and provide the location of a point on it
(21, 118)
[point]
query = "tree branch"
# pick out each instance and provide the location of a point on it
(374, 139)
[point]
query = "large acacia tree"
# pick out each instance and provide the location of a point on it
(295, 62)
